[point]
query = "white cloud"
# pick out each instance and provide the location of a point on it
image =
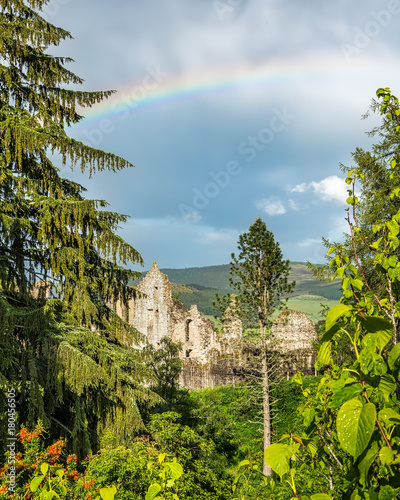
(192, 217)
(300, 188)
(294, 205)
(271, 206)
(332, 188)
(309, 242)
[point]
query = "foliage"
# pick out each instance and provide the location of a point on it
(352, 420)
(170, 472)
(166, 365)
(47, 485)
(62, 264)
(170, 463)
(133, 470)
(226, 416)
(40, 470)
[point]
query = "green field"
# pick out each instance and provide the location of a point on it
(312, 305)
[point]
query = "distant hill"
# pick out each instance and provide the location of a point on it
(218, 277)
(210, 276)
(202, 283)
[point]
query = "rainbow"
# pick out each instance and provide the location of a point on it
(159, 88)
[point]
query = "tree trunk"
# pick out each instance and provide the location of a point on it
(267, 471)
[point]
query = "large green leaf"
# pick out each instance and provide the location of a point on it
(366, 462)
(175, 469)
(334, 314)
(355, 424)
(44, 468)
(308, 415)
(324, 353)
(389, 417)
(387, 386)
(108, 493)
(277, 456)
(372, 363)
(344, 390)
(329, 334)
(320, 496)
(153, 491)
(34, 485)
(394, 356)
(381, 327)
(386, 455)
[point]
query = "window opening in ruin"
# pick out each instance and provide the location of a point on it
(150, 319)
(188, 351)
(187, 332)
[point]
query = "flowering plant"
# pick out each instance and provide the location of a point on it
(46, 473)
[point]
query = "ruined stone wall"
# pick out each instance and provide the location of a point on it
(294, 335)
(232, 328)
(152, 306)
(293, 330)
(223, 371)
(157, 314)
(208, 358)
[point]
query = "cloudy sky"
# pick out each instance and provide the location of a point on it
(229, 110)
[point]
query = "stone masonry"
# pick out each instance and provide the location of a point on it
(158, 314)
(294, 335)
(208, 357)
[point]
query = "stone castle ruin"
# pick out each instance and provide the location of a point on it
(209, 358)
(207, 355)
(158, 314)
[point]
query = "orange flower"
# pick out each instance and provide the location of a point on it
(89, 484)
(55, 450)
(72, 458)
(22, 434)
(73, 475)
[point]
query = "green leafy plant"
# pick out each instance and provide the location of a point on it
(47, 485)
(352, 420)
(167, 474)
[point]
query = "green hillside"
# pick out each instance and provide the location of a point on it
(202, 283)
(210, 276)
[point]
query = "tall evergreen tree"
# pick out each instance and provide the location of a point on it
(61, 261)
(259, 275)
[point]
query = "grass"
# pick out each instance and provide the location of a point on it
(311, 305)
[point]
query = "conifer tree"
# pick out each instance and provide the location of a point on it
(61, 261)
(259, 275)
